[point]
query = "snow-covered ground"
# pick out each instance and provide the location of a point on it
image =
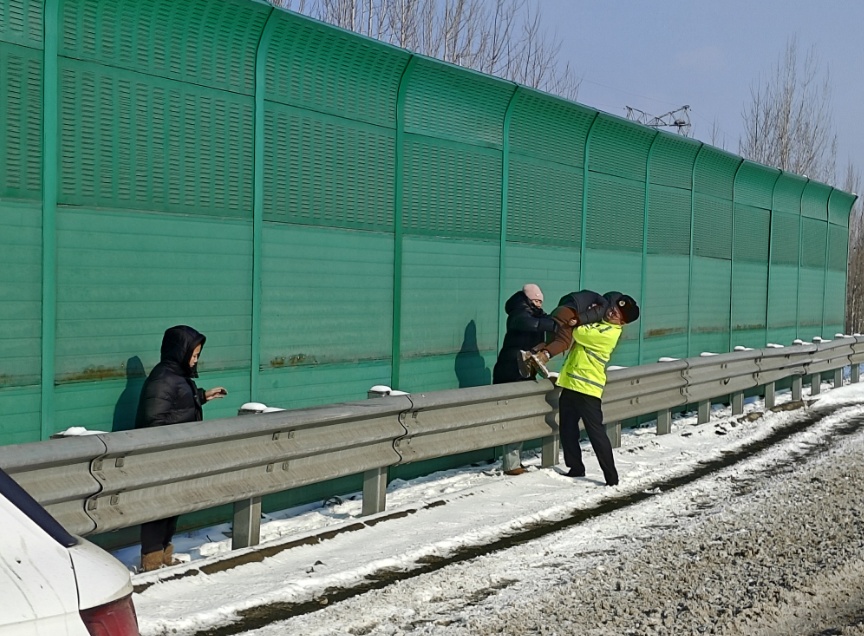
(436, 516)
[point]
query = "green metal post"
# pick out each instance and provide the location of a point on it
(770, 253)
(798, 271)
(690, 262)
(505, 185)
(645, 240)
(582, 238)
(732, 259)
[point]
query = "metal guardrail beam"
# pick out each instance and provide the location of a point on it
(104, 482)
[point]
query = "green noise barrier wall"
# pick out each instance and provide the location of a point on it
(335, 213)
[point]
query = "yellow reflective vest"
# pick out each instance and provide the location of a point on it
(584, 369)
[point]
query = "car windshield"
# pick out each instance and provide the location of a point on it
(22, 500)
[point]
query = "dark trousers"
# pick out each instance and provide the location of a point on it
(572, 407)
(156, 535)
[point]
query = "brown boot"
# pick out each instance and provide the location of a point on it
(168, 556)
(151, 561)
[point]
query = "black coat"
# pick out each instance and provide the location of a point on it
(169, 395)
(589, 305)
(526, 327)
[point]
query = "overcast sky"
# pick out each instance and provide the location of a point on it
(707, 54)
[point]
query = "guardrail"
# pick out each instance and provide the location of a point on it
(104, 482)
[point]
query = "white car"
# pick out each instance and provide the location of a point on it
(53, 583)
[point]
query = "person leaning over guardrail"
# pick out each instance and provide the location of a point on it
(170, 396)
(582, 380)
(527, 324)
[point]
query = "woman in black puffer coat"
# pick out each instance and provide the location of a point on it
(170, 396)
(527, 325)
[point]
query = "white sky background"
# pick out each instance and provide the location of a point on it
(658, 57)
(480, 506)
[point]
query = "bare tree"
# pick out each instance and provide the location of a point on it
(788, 122)
(855, 267)
(499, 37)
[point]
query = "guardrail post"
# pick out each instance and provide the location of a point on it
(613, 430)
(855, 373)
(815, 383)
(246, 530)
(838, 378)
(374, 491)
(737, 403)
(797, 383)
(549, 456)
(704, 412)
(664, 422)
(770, 395)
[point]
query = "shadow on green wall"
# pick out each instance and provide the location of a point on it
(127, 403)
(470, 366)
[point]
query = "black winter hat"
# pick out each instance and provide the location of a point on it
(625, 304)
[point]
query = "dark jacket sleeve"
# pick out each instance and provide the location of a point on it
(157, 404)
(524, 321)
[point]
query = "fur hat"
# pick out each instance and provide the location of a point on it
(532, 291)
(625, 304)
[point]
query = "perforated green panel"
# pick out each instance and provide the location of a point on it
(21, 22)
(452, 103)
(814, 243)
(548, 128)
(834, 318)
(672, 160)
(296, 387)
(20, 122)
(749, 305)
(814, 201)
(543, 195)
(710, 305)
(619, 147)
(665, 306)
(810, 302)
(314, 66)
(787, 193)
(751, 229)
(785, 238)
(555, 269)
(335, 172)
(712, 227)
(451, 190)
(20, 422)
(715, 173)
(782, 303)
(616, 212)
(206, 43)
(133, 141)
(754, 185)
(668, 220)
(838, 245)
(839, 206)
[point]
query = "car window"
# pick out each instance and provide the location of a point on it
(22, 500)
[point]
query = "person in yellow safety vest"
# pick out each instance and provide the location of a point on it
(582, 380)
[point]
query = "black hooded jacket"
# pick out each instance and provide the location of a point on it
(169, 395)
(526, 327)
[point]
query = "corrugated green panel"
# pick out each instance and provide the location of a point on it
(310, 277)
(712, 227)
(814, 243)
(785, 238)
(619, 147)
(312, 65)
(454, 371)
(787, 193)
(750, 289)
(548, 128)
(133, 141)
(323, 170)
(164, 271)
(21, 22)
(668, 220)
(302, 387)
(20, 121)
(626, 353)
(451, 189)
(810, 305)
(754, 185)
(751, 231)
(544, 195)
(838, 246)
(453, 103)
(665, 305)
(782, 335)
(782, 302)
(672, 160)
(461, 279)
(207, 42)
(814, 202)
(555, 269)
(20, 294)
(752, 338)
(20, 422)
(609, 270)
(839, 206)
(834, 317)
(715, 172)
(673, 346)
(711, 296)
(616, 213)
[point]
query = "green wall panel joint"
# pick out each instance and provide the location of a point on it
(50, 177)
(644, 273)
(732, 260)
(398, 236)
(505, 186)
(585, 185)
(690, 260)
(258, 201)
(800, 255)
(770, 253)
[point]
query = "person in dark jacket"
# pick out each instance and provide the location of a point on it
(170, 396)
(527, 325)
